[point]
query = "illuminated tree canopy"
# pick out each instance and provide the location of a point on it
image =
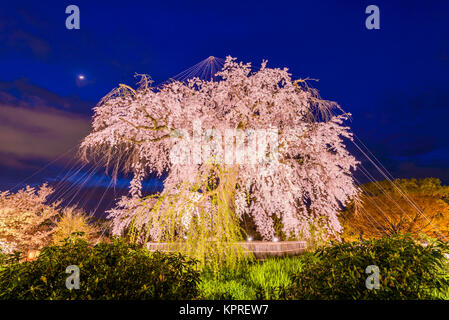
(280, 142)
(415, 206)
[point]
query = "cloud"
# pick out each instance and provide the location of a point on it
(25, 40)
(25, 32)
(22, 93)
(38, 133)
(408, 132)
(36, 126)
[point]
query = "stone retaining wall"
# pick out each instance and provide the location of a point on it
(260, 249)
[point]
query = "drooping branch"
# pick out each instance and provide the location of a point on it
(301, 188)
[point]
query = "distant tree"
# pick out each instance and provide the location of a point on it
(75, 223)
(416, 206)
(26, 220)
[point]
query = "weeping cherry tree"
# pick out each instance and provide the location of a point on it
(252, 144)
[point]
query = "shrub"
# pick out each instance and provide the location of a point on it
(3, 257)
(113, 270)
(408, 270)
(74, 222)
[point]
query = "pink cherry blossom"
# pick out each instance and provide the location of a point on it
(137, 130)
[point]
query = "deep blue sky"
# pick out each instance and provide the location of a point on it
(395, 81)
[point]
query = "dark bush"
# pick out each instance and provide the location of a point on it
(3, 257)
(407, 270)
(115, 270)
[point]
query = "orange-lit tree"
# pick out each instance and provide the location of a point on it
(385, 208)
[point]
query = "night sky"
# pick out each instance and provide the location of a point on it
(394, 81)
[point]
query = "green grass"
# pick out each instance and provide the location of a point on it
(407, 271)
(269, 279)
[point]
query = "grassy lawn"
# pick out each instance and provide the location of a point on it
(268, 279)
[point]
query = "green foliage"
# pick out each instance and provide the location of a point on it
(115, 270)
(9, 258)
(270, 279)
(3, 257)
(318, 234)
(118, 270)
(273, 277)
(214, 289)
(408, 270)
(212, 233)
